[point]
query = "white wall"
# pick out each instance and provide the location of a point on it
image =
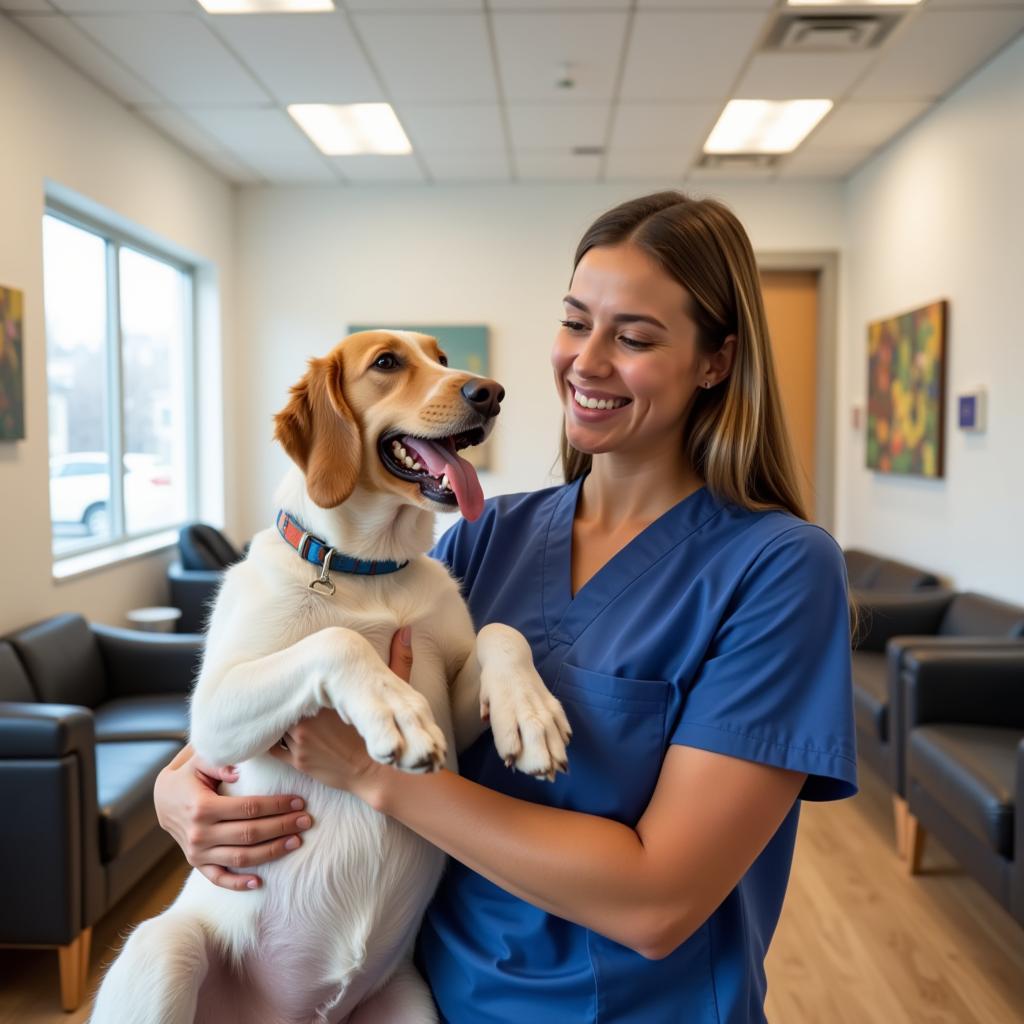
(59, 127)
(940, 214)
(312, 261)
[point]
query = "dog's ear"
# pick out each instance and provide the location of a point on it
(320, 434)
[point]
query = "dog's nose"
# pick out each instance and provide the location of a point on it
(484, 396)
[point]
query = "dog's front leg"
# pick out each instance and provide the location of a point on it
(242, 710)
(498, 681)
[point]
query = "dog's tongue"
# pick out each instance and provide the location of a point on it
(461, 474)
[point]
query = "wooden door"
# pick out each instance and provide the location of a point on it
(791, 305)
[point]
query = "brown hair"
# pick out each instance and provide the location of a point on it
(735, 434)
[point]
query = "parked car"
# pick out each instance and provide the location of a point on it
(80, 491)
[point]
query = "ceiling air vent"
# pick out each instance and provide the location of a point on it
(830, 33)
(738, 161)
(588, 150)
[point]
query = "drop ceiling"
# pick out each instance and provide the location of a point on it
(475, 83)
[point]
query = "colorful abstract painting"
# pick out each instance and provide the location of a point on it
(466, 347)
(12, 376)
(906, 392)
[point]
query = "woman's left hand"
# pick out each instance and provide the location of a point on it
(327, 749)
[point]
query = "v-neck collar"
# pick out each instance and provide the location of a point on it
(565, 616)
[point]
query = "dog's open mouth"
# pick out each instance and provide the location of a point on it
(434, 463)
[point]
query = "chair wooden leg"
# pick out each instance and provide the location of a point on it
(899, 815)
(74, 970)
(915, 837)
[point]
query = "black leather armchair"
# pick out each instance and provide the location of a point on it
(88, 717)
(965, 762)
(866, 571)
(890, 626)
(204, 555)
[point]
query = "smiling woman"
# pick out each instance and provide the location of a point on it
(693, 625)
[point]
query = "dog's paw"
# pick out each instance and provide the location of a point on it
(397, 726)
(529, 726)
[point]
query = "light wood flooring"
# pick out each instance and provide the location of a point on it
(859, 942)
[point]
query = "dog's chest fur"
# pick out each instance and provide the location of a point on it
(334, 916)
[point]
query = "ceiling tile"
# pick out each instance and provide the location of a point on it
(178, 56)
(127, 6)
(370, 170)
(303, 58)
(676, 128)
(833, 164)
(552, 167)
(255, 131)
(936, 51)
(860, 123)
(291, 168)
(411, 5)
(546, 126)
(636, 166)
(446, 127)
(688, 56)
(468, 167)
(534, 48)
(424, 57)
(230, 168)
(705, 4)
(181, 129)
(34, 6)
(561, 5)
(792, 76)
(61, 35)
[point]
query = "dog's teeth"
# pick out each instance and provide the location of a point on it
(416, 465)
(444, 481)
(408, 461)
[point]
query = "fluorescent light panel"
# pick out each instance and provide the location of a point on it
(765, 126)
(352, 129)
(266, 6)
(853, 3)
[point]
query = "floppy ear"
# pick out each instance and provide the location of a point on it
(320, 434)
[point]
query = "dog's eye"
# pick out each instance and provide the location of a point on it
(386, 361)
(442, 359)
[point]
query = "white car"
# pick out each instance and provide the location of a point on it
(80, 491)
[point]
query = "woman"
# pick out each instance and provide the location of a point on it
(695, 628)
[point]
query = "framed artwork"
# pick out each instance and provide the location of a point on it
(12, 374)
(467, 348)
(906, 392)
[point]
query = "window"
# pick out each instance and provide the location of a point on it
(119, 329)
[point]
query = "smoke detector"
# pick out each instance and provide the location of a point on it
(830, 33)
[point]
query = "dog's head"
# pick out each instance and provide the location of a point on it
(384, 411)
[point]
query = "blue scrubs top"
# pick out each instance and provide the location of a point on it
(717, 628)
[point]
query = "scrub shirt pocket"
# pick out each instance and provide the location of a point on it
(618, 740)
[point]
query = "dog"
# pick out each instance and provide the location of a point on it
(373, 430)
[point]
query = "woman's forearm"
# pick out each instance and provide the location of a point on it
(586, 869)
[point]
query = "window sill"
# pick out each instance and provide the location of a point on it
(104, 558)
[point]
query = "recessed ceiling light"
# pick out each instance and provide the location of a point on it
(765, 126)
(852, 3)
(266, 6)
(351, 129)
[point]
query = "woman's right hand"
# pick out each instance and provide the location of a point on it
(220, 835)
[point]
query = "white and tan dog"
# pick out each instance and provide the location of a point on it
(373, 430)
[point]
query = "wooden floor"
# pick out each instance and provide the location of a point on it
(859, 941)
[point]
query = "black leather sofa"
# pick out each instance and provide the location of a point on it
(965, 762)
(890, 626)
(88, 717)
(866, 571)
(204, 554)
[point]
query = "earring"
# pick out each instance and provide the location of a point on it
(707, 383)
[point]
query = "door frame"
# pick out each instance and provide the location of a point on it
(826, 265)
